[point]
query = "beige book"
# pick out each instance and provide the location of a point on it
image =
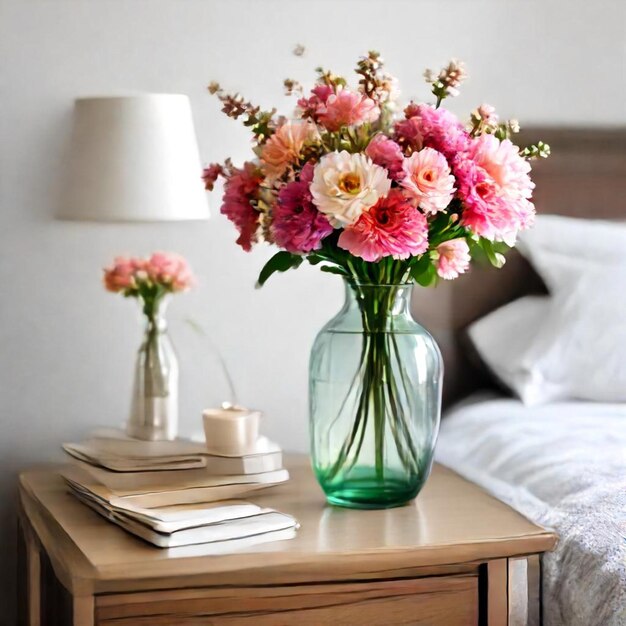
(134, 483)
(115, 451)
(89, 453)
(168, 496)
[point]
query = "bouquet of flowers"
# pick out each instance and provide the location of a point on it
(154, 410)
(149, 279)
(371, 195)
(382, 197)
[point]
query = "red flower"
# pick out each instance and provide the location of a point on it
(240, 190)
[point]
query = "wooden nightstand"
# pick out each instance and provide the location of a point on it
(454, 557)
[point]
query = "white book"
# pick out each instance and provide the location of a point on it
(217, 548)
(175, 518)
(232, 533)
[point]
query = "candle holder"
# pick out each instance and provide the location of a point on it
(231, 430)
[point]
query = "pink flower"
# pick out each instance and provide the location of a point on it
(170, 270)
(310, 107)
(495, 188)
(297, 225)
(166, 269)
(386, 153)
(283, 148)
(428, 180)
(240, 189)
(347, 108)
(392, 227)
(454, 258)
(435, 128)
(408, 133)
(121, 275)
(502, 161)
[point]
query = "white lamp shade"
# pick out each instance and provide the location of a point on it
(134, 158)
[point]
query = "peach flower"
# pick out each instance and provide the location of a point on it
(347, 108)
(121, 276)
(428, 180)
(283, 148)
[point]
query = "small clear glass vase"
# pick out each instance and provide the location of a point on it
(154, 406)
(374, 399)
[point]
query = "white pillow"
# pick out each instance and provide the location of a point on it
(503, 337)
(561, 248)
(569, 346)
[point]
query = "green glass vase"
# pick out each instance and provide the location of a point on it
(375, 400)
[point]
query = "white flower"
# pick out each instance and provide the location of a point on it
(344, 185)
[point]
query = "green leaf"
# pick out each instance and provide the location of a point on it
(315, 258)
(280, 262)
(423, 271)
(333, 269)
(494, 252)
(485, 251)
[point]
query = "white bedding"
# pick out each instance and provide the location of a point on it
(562, 465)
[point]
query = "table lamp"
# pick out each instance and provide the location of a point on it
(133, 159)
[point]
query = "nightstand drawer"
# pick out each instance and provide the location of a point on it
(439, 601)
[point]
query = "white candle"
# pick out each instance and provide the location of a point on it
(231, 430)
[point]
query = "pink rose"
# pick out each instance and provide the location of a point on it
(428, 180)
(121, 275)
(170, 270)
(128, 274)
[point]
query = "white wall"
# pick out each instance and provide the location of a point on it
(66, 345)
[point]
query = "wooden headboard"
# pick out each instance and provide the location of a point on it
(584, 177)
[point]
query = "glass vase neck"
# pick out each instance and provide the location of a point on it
(154, 313)
(385, 300)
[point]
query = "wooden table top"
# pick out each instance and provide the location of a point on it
(451, 522)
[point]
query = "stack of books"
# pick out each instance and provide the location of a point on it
(174, 493)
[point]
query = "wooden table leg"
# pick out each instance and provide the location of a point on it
(33, 576)
(83, 611)
(497, 593)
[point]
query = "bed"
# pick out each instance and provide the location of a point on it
(562, 464)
